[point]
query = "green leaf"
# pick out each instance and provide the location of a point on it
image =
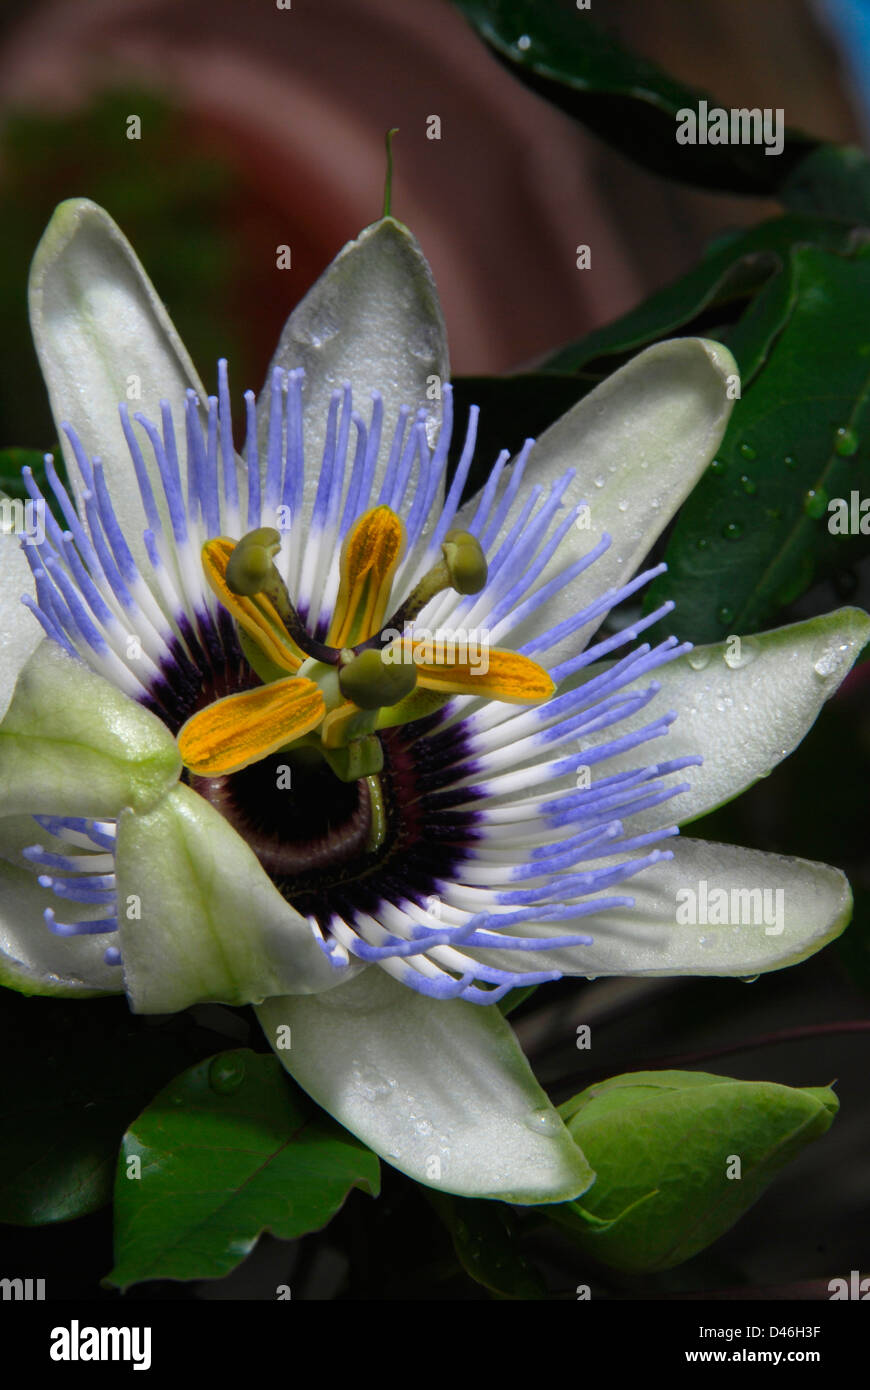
(680, 1156)
(833, 181)
(485, 1237)
(73, 1079)
(228, 1150)
(711, 296)
(754, 534)
(561, 53)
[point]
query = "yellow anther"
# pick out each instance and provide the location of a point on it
(497, 674)
(369, 557)
(258, 616)
(241, 729)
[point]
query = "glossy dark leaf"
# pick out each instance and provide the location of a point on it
(228, 1150)
(706, 300)
(831, 181)
(757, 530)
(486, 1240)
(564, 54)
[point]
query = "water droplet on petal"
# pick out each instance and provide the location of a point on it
(831, 660)
(316, 326)
(748, 979)
(599, 482)
(623, 505)
(226, 1074)
(740, 654)
(371, 1083)
(699, 657)
(543, 1122)
(423, 343)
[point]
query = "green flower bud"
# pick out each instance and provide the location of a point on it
(679, 1156)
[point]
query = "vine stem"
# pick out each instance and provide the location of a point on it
(782, 1035)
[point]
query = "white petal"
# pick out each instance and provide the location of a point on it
(743, 704)
(101, 332)
(796, 907)
(73, 745)
(439, 1088)
(639, 442)
(199, 918)
(35, 961)
(20, 633)
(373, 319)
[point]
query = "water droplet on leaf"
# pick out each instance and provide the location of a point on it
(226, 1074)
(845, 442)
(815, 502)
(732, 530)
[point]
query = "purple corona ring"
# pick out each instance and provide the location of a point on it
(492, 819)
(297, 726)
